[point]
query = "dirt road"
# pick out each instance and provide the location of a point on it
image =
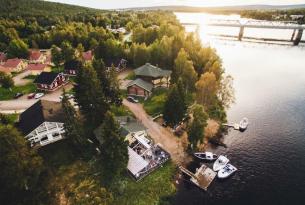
(122, 81)
(159, 134)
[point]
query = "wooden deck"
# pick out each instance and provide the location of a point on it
(203, 176)
(235, 125)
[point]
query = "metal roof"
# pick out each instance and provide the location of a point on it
(152, 71)
(135, 163)
(141, 83)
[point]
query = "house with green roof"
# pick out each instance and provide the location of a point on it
(153, 74)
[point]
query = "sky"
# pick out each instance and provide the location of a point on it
(113, 4)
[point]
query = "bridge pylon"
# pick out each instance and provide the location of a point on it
(241, 33)
(298, 37)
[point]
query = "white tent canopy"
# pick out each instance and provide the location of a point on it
(135, 163)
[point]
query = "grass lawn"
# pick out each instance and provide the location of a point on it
(149, 190)
(72, 178)
(7, 94)
(120, 110)
(11, 118)
(58, 69)
(155, 103)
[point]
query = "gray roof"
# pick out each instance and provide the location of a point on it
(128, 125)
(152, 71)
(141, 83)
(133, 127)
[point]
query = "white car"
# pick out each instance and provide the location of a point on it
(69, 96)
(132, 99)
(38, 95)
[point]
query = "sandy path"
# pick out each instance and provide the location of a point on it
(159, 134)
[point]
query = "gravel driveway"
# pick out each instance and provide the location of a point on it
(159, 134)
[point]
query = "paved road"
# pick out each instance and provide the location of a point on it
(159, 134)
(18, 79)
(22, 103)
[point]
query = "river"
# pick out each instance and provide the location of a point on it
(269, 82)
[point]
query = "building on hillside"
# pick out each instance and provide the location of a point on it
(37, 57)
(42, 123)
(144, 155)
(139, 88)
(36, 69)
(154, 75)
(14, 65)
(87, 56)
(296, 17)
(50, 81)
(2, 58)
(72, 67)
(119, 64)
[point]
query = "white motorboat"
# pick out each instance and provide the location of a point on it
(243, 124)
(206, 156)
(220, 163)
(227, 171)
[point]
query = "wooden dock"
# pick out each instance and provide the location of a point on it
(203, 176)
(235, 126)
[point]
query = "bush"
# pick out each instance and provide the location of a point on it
(6, 80)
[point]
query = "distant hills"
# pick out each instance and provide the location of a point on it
(223, 8)
(40, 8)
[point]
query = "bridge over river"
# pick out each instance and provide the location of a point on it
(290, 25)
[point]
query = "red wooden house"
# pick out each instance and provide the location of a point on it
(50, 81)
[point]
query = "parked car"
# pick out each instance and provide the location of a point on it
(69, 96)
(132, 99)
(18, 95)
(31, 95)
(38, 95)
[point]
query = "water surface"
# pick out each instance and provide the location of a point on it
(269, 81)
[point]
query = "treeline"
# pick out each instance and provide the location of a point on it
(283, 15)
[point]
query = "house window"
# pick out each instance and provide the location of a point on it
(44, 138)
(56, 134)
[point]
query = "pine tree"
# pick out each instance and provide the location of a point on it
(114, 152)
(90, 97)
(67, 51)
(20, 170)
(109, 82)
(73, 125)
(57, 57)
(174, 108)
(196, 129)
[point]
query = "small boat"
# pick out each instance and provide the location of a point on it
(243, 124)
(206, 156)
(220, 163)
(227, 171)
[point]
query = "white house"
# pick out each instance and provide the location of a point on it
(144, 155)
(42, 123)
